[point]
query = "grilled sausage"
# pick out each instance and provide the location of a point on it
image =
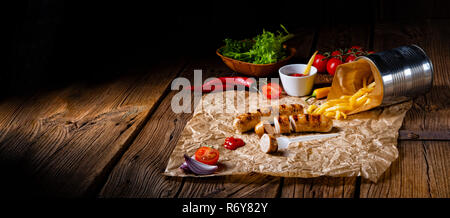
(265, 111)
(268, 144)
(259, 128)
(248, 121)
(282, 124)
(290, 109)
(310, 123)
(264, 127)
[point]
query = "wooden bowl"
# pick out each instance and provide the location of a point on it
(255, 70)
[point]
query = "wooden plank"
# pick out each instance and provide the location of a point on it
(322, 187)
(138, 173)
(64, 142)
(424, 135)
(330, 38)
(422, 169)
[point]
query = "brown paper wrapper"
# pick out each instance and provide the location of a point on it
(349, 79)
(366, 145)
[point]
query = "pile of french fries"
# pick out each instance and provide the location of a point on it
(339, 108)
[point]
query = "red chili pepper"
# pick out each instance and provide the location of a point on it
(223, 83)
(244, 81)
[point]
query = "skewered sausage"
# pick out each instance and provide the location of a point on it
(264, 127)
(259, 128)
(310, 123)
(248, 121)
(282, 124)
(268, 144)
(290, 109)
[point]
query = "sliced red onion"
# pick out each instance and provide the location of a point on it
(197, 167)
(184, 167)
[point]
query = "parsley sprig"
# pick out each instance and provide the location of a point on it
(265, 48)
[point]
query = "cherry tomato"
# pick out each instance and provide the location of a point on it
(370, 52)
(207, 155)
(320, 62)
(272, 90)
(357, 49)
(233, 143)
(350, 58)
(332, 65)
(336, 53)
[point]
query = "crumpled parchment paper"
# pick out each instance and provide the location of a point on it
(366, 145)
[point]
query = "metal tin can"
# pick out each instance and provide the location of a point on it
(406, 72)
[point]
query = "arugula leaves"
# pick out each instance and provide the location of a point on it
(265, 48)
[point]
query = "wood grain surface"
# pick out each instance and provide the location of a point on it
(114, 139)
(64, 143)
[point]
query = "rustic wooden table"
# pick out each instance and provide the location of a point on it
(114, 139)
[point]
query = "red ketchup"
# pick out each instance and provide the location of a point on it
(296, 74)
(233, 143)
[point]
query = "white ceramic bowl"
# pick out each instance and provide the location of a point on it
(297, 86)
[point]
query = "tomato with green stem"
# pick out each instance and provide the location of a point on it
(355, 50)
(336, 53)
(356, 47)
(339, 54)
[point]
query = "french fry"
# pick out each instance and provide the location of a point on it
(338, 108)
(358, 94)
(321, 109)
(366, 90)
(361, 99)
(352, 102)
(344, 115)
(345, 104)
(338, 115)
(333, 101)
(330, 114)
(311, 108)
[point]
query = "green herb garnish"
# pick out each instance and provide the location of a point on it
(265, 48)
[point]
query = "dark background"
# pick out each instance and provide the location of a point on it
(52, 43)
